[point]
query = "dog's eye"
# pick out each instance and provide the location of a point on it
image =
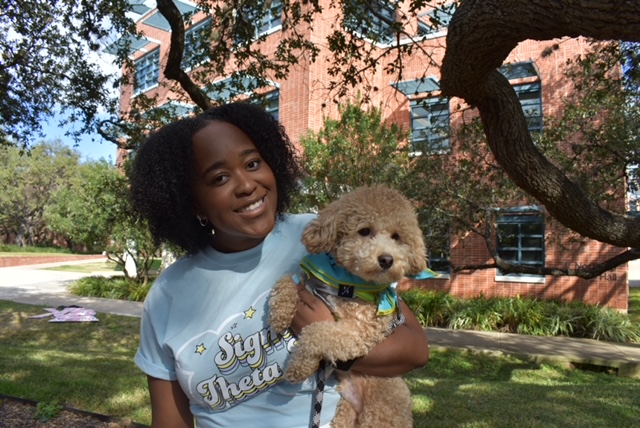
(395, 237)
(365, 231)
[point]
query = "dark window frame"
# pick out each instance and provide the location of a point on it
(439, 141)
(522, 248)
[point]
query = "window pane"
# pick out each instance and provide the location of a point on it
(532, 242)
(521, 240)
(511, 256)
(147, 71)
(371, 19)
(430, 125)
(532, 256)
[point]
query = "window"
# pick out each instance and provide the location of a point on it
(262, 20)
(530, 96)
(196, 39)
(271, 19)
(438, 254)
(147, 72)
(529, 93)
(520, 239)
(373, 20)
(270, 101)
(430, 126)
(436, 20)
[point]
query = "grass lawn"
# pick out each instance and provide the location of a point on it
(90, 366)
(458, 389)
(88, 267)
(101, 266)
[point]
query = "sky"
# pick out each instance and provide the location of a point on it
(89, 150)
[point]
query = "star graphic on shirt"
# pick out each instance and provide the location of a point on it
(200, 348)
(249, 313)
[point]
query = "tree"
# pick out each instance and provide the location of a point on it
(94, 210)
(45, 64)
(357, 149)
(26, 185)
(85, 210)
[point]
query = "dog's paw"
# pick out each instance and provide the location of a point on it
(300, 369)
(279, 321)
(282, 304)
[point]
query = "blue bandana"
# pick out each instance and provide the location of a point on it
(324, 268)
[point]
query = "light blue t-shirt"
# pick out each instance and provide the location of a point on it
(205, 324)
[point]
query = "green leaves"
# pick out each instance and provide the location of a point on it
(356, 150)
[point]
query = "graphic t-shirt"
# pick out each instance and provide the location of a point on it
(205, 324)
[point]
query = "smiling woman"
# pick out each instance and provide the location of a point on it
(218, 186)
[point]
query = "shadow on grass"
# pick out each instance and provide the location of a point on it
(462, 389)
(87, 366)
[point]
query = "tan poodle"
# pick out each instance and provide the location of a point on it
(359, 245)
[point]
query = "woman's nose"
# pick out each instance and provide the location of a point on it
(245, 184)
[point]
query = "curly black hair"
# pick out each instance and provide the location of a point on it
(164, 165)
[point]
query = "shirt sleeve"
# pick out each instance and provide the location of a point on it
(153, 356)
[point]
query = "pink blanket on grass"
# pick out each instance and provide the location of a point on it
(68, 314)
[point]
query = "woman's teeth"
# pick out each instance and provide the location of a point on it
(253, 206)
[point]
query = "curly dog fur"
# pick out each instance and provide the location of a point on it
(372, 232)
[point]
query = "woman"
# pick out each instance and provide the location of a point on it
(217, 186)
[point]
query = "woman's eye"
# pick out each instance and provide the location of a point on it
(395, 237)
(254, 164)
(364, 231)
(219, 179)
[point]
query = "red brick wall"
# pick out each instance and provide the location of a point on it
(36, 260)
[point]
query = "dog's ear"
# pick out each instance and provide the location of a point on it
(418, 256)
(321, 234)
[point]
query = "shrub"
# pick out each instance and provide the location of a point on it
(521, 315)
(110, 288)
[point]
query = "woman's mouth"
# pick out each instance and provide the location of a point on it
(254, 206)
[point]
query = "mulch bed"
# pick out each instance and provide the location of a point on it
(20, 413)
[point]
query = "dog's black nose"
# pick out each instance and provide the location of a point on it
(385, 261)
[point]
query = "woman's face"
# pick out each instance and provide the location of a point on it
(234, 188)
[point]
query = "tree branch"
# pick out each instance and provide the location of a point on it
(481, 35)
(172, 69)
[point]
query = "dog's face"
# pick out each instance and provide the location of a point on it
(372, 232)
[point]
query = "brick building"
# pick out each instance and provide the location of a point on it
(301, 102)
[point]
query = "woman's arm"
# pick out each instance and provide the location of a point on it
(169, 405)
(404, 350)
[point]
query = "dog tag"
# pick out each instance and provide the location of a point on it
(346, 291)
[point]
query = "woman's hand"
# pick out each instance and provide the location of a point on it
(310, 309)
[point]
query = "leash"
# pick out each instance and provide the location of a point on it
(318, 394)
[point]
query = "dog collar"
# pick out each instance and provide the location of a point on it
(336, 280)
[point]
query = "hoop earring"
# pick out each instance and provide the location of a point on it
(203, 221)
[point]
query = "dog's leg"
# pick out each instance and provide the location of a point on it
(341, 340)
(387, 403)
(282, 304)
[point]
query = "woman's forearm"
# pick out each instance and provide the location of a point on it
(405, 349)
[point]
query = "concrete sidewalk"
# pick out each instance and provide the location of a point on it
(32, 285)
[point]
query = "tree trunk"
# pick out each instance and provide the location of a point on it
(480, 36)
